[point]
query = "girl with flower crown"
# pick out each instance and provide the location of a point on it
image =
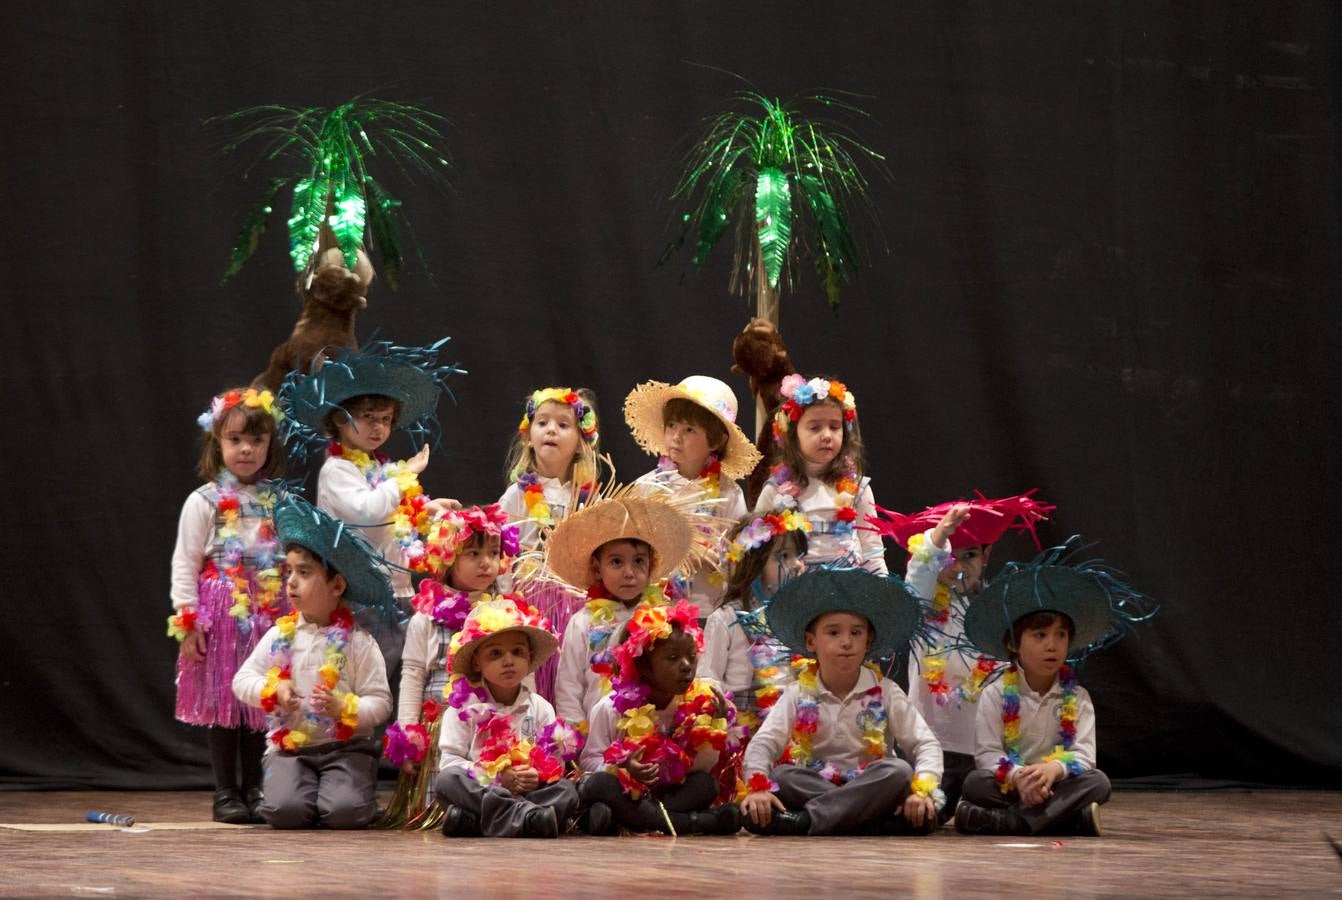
(551, 468)
(227, 588)
(817, 469)
(463, 554)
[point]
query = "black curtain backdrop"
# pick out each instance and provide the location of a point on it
(1112, 274)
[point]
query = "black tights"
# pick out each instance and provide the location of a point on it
(695, 794)
(228, 747)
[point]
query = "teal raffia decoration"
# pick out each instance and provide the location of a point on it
(786, 176)
(334, 188)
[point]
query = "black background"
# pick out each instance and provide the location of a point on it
(1113, 235)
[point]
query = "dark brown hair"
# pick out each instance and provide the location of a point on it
(257, 422)
(1041, 618)
(751, 566)
(789, 453)
(326, 567)
(357, 406)
(679, 409)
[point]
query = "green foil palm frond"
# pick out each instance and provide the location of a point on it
(800, 173)
(334, 187)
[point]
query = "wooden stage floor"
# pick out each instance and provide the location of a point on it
(1155, 844)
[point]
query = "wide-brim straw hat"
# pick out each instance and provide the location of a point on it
(501, 615)
(643, 413)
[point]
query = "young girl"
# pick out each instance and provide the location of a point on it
(763, 553)
(552, 465)
(818, 470)
(464, 553)
(227, 588)
(657, 739)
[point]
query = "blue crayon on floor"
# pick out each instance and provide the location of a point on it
(102, 818)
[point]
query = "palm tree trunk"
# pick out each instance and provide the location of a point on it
(766, 307)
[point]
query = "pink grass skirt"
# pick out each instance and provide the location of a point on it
(558, 605)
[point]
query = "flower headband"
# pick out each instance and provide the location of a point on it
(447, 534)
(224, 402)
(798, 393)
(582, 413)
(763, 530)
(650, 623)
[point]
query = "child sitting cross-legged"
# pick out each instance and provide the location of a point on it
(503, 754)
(824, 760)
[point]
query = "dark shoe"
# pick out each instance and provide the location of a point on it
(1088, 821)
(597, 820)
(541, 822)
(253, 797)
(971, 819)
(895, 824)
(729, 819)
(782, 824)
(460, 822)
(229, 808)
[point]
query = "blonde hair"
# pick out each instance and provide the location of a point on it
(582, 469)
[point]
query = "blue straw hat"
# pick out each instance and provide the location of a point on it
(893, 610)
(300, 524)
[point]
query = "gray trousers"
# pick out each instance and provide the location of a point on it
(834, 808)
(500, 813)
(1070, 796)
(334, 785)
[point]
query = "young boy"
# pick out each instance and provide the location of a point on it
(621, 547)
(824, 760)
(502, 763)
(320, 678)
(949, 546)
(1035, 732)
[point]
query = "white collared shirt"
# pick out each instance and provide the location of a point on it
(344, 492)
(817, 501)
(726, 657)
(1040, 715)
(577, 687)
(459, 742)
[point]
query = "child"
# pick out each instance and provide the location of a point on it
(949, 546)
(691, 427)
(753, 667)
(1035, 731)
(226, 588)
(824, 760)
(620, 547)
(656, 740)
(503, 752)
(320, 678)
(352, 405)
(552, 466)
(465, 551)
(818, 470)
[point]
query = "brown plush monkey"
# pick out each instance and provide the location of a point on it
(761, 356)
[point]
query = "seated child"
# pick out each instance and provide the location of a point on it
(621, 547)
(1035, 733)
(824, 760)
(503, 753)
(656, 740)
(320, 678)
(949, 546)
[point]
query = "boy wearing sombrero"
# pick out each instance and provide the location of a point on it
(824, 760)
(1035, 730)
(320, 678)
(502, 752)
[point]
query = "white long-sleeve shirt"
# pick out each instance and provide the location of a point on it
(838, 735)
(1040, 715)
(726, 657)
(424, 642)
(604, 731)
(344, 492)
(817, 501)
(364, 675)
(558, 495)
(196, 537)
(577, 687)
(459, 742)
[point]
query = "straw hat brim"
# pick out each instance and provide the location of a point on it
(643, 414)
(1061, 589)
(891, 609)
(543, 646)
(569, 548)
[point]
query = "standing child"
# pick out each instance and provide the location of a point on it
(320, 678)
(818, 469)
(552, 467)
(503, 751)
(464, 553)
(691, 427)
(824, 760)
(656, 740)
(949, 546)
(226, 588)
(1035, 732)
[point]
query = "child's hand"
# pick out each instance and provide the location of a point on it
(949, 522)
(525, 779)
(324, 701)
(442, 505)
(193, 646)
(644, 773)
(919, 809)
(759, 807)
(410, 767)
(285, 697)
(420, 461)
(1035, 783)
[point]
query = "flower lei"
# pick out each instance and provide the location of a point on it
(702, 721)
(447, 607)
(249, 609)
(845, 494)
(411, 743)
(872, 717)
(1062, 751)
(604, 608)
(583, 414)
(250, 397)
(533, 494)
(798, 393)
(555, 747)
(933, 664)
(281, 670)
(709, 479)
(760, 532)
(409, 520)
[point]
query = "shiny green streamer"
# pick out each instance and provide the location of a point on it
(773, 218)
(249, 238)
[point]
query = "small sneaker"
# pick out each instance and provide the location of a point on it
(1088, 821)
(253, 797)
(541, 822)
(971, 819)
(729, 819)
(229, 808)
(782, 824)
(460, 822)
